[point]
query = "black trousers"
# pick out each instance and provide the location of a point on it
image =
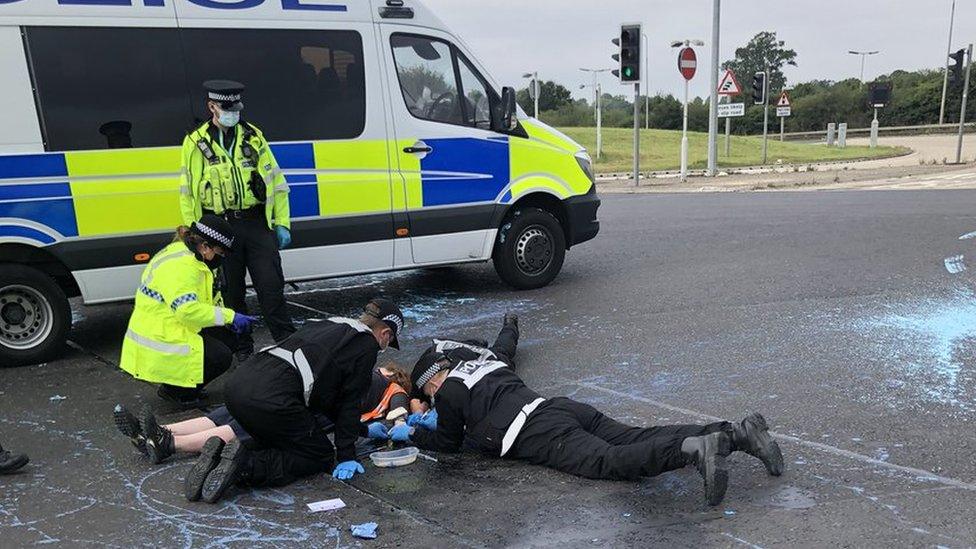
(505, 346)
(265, 396)
(576, 438)
(256, 252)
(217, 357)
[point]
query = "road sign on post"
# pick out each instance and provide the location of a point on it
(727, 110)
(687, 63)
(729, 85)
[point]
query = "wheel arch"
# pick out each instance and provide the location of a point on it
(544, 200)
(42, 260)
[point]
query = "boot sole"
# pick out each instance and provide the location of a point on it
(716, 471)
(208, 459)
(224, 474)
(125, 426)
(146, 421)
(767, 449)
(15, 465)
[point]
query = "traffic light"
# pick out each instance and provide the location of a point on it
(759, 88)
(955, 69)
(629, 56)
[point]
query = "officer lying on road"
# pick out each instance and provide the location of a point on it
(229, 170)
(178, 334)
(486, 405)
(322, 368)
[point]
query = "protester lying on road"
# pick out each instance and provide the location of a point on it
(10, 462)
(486, 405)
(386, 400)
(322, 368)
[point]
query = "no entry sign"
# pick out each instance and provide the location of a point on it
(687, 63)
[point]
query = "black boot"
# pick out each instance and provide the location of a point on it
(11, 462)
(227, 472)
(128, 425)
(209, 457)
(751, 435)
(510, 318)
(159, 441)
(707, 453)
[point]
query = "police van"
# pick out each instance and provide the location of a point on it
(399, 149)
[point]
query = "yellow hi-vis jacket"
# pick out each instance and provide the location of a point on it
(175, 301)
(218, 180)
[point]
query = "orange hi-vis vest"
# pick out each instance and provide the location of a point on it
(381, 409)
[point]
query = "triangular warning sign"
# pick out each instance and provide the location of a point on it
(784, 100)
(729, 85)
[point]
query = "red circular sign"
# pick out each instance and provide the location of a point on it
(687, 63)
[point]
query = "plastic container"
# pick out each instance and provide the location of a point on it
(395, 458)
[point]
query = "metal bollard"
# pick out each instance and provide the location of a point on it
(831, 133)
(842, 135)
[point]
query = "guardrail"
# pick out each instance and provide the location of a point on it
(923, 128)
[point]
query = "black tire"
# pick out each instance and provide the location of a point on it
(530, 249)
(34, 316)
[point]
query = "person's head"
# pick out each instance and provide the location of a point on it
(396, 374)
(210, 239)
(428, 375)
(224, 101)
(385, 320)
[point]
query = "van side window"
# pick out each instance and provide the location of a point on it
(105, 88)
(474, 90)
(301, 84)
(427, 79)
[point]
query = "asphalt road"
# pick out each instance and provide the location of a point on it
(833, 313)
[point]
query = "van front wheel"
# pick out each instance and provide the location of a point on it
(530, 249)
(34, 316)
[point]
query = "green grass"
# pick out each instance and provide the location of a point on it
(661, 150)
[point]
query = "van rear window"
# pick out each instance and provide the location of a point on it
(101, 88)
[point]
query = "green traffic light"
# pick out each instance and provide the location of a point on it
(628, 72)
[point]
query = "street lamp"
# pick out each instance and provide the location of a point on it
(594, 72)
(647, 81)
(597, 90)
(863, 54)
(684, 125)
(535, 89)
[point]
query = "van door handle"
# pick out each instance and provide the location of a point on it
(418, 148)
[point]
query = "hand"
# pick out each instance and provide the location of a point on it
(347, 469)
(429, 421)
(377, 430)
(414, 418)
(401, 433)
(284, 237)
(242, 323)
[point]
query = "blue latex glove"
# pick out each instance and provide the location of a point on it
(401, 433)
(377, 430)
(414, 418)
(428, 421)
(284, 237)
(367, 530)
(242, 323)
(347, 469)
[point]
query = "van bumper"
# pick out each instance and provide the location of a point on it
(581, 214)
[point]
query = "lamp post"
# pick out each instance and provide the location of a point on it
(863, 54)
(945, 75)
(594, 72)
(647, 81)
(598, 91)
(535, 90)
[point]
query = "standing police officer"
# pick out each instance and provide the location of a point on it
(229, 170)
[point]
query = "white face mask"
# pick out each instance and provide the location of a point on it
(229, 119)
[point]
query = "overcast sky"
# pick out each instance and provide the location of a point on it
(556, 37)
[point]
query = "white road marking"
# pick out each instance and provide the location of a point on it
(918, 473)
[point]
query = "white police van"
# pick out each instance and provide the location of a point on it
(399, 149)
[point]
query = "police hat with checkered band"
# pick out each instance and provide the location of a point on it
(388, 312)
(215, 231)
(227, 94)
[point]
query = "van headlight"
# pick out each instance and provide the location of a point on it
(586, 165)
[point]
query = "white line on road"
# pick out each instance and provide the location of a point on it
(742, 541)
(920, 473)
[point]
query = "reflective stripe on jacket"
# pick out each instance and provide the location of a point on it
(175, 300)
(221, 182)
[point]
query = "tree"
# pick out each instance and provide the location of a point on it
(551, 97)
(762, 51)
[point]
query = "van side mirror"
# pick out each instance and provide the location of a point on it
(505, 119)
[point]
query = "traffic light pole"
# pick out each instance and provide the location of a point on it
(765, 115)
(713, 96)
(636, 134)
(965, 95)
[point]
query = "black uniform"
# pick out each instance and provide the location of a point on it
(270, 399)
(486, 405)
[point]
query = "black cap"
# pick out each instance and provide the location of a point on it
(216, 231)
(226, 93)
(425, 369)
(388, 312)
